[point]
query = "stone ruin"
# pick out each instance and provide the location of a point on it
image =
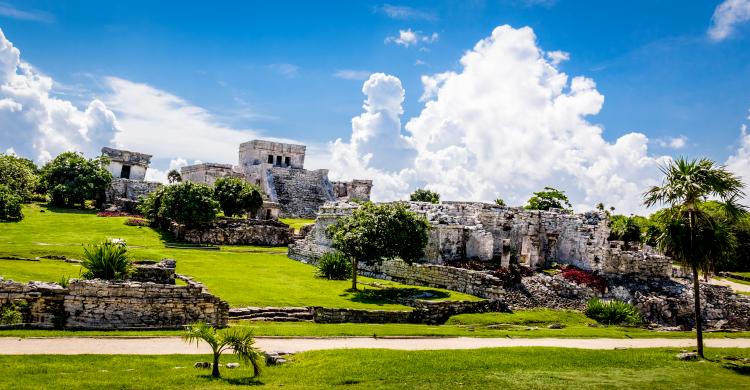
(278, 169)
(128, 171)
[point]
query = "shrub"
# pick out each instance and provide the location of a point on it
(19, 175)
(186, 203)
(549, 198)
(335, 266)
(236, 196)
(71, 179)
(586, 278)
(136, 222)
(421, 195)
(613, 312)
(624, 229)
(108, 261)
(10, 205)
(9, 315)
(113, 214)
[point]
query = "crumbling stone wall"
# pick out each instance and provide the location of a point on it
(162, 272)
(123, 194)
(208, 173)
(300, 192)
(97, 304)
(136, 163)
(229, 231)
(352, 190)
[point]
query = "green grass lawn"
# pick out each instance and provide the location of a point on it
(535, 368)
(242, 275)
(297, 223)
(740, 281)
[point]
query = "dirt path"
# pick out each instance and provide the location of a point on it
(174, 345)
(733, 285)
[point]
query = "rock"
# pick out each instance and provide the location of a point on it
(556, 326)
(687, 356)
(232, 365)
(202, 365)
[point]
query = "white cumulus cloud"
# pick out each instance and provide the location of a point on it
(507, 124)
(36, 124)
(408, 37)
(739, 162)
(727, 16)
(672, 142)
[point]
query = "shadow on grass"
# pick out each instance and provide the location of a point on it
(66, 210)
(739, 365)
(395, 295)
(245, 381)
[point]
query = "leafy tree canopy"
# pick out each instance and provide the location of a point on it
(186, 203)
(423, 195)
(174, 177)
(10, 205)
(236, 196)
(20, 175)
(549, 198)
(71, 179)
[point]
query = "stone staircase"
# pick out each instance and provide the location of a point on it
(278, 314)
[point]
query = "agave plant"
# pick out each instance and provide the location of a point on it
(107, 260)
(239, 340)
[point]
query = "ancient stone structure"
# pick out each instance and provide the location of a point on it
(128, 171)
(208, 173)
(257, 152)
(463, 230)
(228, 231)
(162, 272)
(352, 190)
(97, 304)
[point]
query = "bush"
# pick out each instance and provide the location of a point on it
(19, 175)
(624, 229)
(108, 261)
(71, 179)
(549, 198)
(236, 196)
(586, 278)
(9, 315)
(613, 312)
(10, 205)
(421, 195)
(186, 203)
(335, 266)
(136, 222)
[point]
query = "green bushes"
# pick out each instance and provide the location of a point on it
(334, 266)
(421, 195)
(71, 179)
(186, 203)
(549, 198)
(10, 205)
(19, 175)
(10, 315)
(108, 261)
(236, 196)
(613, 312)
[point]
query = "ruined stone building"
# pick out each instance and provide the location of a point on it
(482, 231)
(128, 171)
(278, 169)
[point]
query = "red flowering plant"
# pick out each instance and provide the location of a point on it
(116, 214)
(579, 276)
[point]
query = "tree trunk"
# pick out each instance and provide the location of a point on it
(215, 367)
(698, 316)
(354, 273)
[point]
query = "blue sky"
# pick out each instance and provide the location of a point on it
(295, 70)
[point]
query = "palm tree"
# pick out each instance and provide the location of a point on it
(239, 340)
(694, 238)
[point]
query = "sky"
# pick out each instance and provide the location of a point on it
(477, 100)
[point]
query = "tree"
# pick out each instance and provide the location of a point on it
(236, 196)
(239, 339)
(186, 203)
(174, 177)
(691, 236)
(10, 205)
(19, 175)
(549, 198)
(500, 202)
(376, 232)
(624, 229)
(71, 179)
(422, 195)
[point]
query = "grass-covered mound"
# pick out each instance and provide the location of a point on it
(242, 275)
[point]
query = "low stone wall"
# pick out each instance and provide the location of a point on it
(97, 304)
(151, 271)
(123, 194)
(228, 231)
(325, 315)
(425, 312)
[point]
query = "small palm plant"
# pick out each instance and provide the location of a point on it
(107, 260)
(239, 340)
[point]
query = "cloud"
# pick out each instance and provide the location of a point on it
(10, 11)
(672, 142)
(348, 74)
(507, 124)
(286, 70)
(727, 16)
(557, 56)
(401, 12)
(158, 175)
(38, 125)
(407, 38)
(739, 162)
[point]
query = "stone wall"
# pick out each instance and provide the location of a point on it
(257, 152)
(162, 272)
(123, 194)
(424, 312)
(228, 231)
(137, 162)
(300, 192)
(352, 190)
(208, 173)
(96, 304)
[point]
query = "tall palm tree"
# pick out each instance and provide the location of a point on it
(239, 340)
(690, 236)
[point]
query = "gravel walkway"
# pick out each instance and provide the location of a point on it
(175, 345)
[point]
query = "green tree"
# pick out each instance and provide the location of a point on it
(376, 232)
(624, 228)
(20, 175)
(186, 203)
(71, 179)
(691, 236)
(10, 205)
(236, 196)
(423, 195)
(549, 198)
(174, 177)
(238, 339)
(500, 202)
